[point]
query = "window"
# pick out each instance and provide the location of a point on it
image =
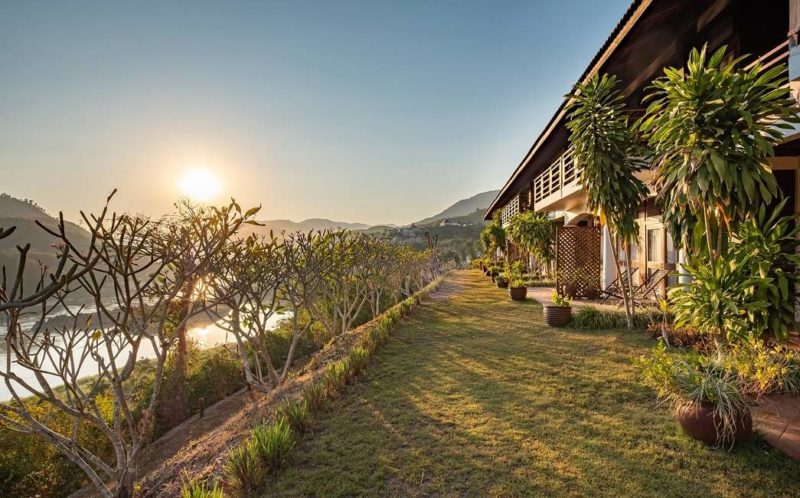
(653, 249)
(672, 254)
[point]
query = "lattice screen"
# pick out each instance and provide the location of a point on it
(578, 260)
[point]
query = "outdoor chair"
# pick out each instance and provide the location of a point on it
(647, 293)
(614, 289)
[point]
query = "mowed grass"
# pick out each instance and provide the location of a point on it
(474, 395)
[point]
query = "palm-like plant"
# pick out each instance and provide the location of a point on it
(713, 127)
(608, 153)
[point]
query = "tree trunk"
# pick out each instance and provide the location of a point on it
(615, 253)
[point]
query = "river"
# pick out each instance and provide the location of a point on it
(204, 332)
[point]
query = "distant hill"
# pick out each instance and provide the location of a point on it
(24, 214)
(278, 226)
(464, 207)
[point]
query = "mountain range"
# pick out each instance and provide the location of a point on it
(24, 213)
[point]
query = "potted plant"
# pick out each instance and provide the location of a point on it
(494, 271)
(559, 313)
(707, 397)
(501, 281)
(516, 284)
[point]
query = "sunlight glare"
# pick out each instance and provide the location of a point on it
(199, 184)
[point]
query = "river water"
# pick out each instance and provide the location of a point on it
(204, 334)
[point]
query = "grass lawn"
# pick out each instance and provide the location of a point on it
(474, 395)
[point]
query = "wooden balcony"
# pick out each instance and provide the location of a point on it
(559, 182)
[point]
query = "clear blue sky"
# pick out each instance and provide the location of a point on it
(373, 111)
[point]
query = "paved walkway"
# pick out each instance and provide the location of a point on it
(544, 296)
(778, 420)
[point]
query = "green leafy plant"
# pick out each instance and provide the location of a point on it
(774, 241)
(243, 469)
(608, 153)
(713, 127)
(493, 235)
(560, 300)
(296, 413)
(533, 232)
(765, 369)
(514, 272)
(693, 379)
(272, 443)
(719, 300)
(594, 318)
(201, 490)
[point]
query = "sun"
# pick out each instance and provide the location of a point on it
(199, 185)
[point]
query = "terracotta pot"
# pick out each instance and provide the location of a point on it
(557, 316)
(591, 293)
(700, 422)
(501, 284)
(571, 291)
(518, 293)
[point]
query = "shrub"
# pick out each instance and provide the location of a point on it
(296, 413)
(765, 369)
(594, 318)
(200, 490)
(243, 469)
(272, 443)
(723, 297)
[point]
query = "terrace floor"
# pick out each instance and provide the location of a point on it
(474, 395)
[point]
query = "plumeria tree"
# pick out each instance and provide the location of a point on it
(81, 367)
(608, 155)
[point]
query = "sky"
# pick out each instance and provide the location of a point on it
(374, 111)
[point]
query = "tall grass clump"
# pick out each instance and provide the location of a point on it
(273, 443)
(315, 396)
(593, 318)
(201, 490)
(296, 413)
(243, 469)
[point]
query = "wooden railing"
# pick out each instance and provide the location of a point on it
(561, 173)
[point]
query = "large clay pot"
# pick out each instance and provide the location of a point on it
(557, 316)
(700, 422)
(518, 293)
(571, 291)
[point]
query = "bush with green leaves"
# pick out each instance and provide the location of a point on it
(748, 289)
(514, 272)
(594, 318)
(534, 233)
